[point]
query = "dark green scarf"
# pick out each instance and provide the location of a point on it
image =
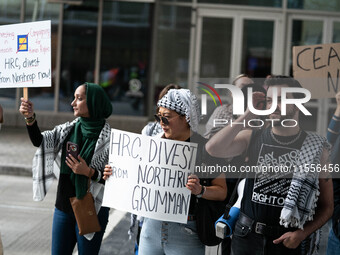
(86, 133)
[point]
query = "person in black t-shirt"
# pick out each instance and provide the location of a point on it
(281, 210)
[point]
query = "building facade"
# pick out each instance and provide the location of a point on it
(134, 48)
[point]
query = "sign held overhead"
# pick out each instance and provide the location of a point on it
(25, 51)
(317, 68)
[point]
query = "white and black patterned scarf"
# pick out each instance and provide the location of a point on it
(303, 193)
(183, 102)
(46, 161)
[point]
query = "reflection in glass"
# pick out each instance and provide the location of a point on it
(173, 41)
(305, 32)
(318, 5)
(9, 13)
(78, 50)
(257, 47)
(216, 47)
(336, 32)
(43, 98)
(125, 51)
(41, 10)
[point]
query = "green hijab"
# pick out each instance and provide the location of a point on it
(86, 133)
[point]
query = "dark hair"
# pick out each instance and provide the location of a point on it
(167, 88)
(274, 80)
(243, 75)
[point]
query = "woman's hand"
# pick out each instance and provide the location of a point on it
(194, 185)
(107, 172)
(78, 167)
(26, 108)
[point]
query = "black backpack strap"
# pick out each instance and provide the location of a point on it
(232, 201)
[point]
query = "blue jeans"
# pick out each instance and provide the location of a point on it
(65, 234)
(169, 238)
(333, 247)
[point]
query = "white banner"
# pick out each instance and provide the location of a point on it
(149, 176)
(25, 51)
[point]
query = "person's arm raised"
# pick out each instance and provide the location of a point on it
(232, 140)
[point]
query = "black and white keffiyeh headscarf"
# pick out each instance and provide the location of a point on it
(183, 102)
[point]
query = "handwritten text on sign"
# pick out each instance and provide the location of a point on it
(317, 68)
(149, 176)
(25, 51)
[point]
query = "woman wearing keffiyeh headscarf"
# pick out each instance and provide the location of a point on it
(178, 115)
(91, 133)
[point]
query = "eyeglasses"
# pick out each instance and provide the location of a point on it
(165, 120)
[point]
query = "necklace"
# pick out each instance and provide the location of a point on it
(285, 143)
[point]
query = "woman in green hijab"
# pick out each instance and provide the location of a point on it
(89, 136)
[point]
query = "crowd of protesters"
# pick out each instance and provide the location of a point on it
(280, 213)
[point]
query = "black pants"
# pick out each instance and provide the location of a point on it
(246, 242)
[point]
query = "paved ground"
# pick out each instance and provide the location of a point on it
(26, 225)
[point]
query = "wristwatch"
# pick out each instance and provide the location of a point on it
(202, 192)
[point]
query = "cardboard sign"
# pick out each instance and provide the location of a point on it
(25, 51)
(317, 68)
(149, 176)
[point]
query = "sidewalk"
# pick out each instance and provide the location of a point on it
(16, 151)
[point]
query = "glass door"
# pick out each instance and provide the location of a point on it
(230, 43)
(257, 47)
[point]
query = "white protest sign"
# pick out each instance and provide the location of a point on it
(25, 51)
(149, 176)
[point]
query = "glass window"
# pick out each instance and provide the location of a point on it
(268, 3)
(305, 32)
(216, 47)
(318, 5)
(78, 49)
(175, 1)
(43, 98)
(336, 32)
(173, 41)
(41, 10)
(125, 51)
(257, 47)
(9, 13)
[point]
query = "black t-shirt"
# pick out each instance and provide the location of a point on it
(264, 193)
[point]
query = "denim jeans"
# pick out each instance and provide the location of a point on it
(65, 234)
(169, 238)
(333, 247)
(246, 242)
